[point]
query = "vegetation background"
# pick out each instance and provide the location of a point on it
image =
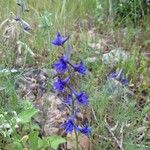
(96, 27)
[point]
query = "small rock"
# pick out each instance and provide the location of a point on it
(116, 90)
(114, 56)
(91, 59)
(84, 142)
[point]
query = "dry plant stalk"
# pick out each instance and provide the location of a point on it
(116, 140)
(10, 30)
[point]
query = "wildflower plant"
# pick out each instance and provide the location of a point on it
(65, 85)
(22, 5)
(119, 75)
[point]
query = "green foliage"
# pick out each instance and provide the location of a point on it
(53, 141)
(122, 11)
(133, 9)
(26, 115)
(33, 140)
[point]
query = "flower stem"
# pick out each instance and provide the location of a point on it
(77, 140)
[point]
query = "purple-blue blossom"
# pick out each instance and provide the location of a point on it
(113, 75)
(86, 130)
(80, 68)
(59, 84)
(124, 81)
(82, 97)
(59, 40)
(120, 76)
(69, 125)
(61, 65)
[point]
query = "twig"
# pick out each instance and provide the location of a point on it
(121, 132)
(94, 115)
(119, 143)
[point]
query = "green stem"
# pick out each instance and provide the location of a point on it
(77, 140)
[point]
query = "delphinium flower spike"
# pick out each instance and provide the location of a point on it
(73, 99)
(59, 40)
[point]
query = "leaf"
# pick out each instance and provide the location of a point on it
(26, 115)
(33, 140)
(40, 143)
(54, 141)
(17, 145)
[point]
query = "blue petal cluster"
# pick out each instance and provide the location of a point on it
(82, 97)
(61, 65)
(69, 126)
(59, 84)
(86, 130)
(80, 68)
(59, 40)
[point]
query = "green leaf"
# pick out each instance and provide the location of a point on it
(40, 143)
(26, 115)
(54, 141)
(17, 145)
(33, 140)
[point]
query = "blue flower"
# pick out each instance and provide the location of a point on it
(69, 125)
(124, 81)
(59, 40)
(82, 97)
(59, 84)
(61, 65)
(113, 75)
(120, 76)
(80, 68)
(68, 99)
(85, 130)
